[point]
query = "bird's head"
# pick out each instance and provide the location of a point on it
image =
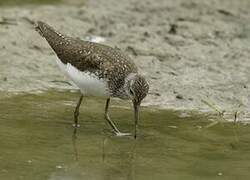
(137, 89)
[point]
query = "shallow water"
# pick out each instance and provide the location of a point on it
(27, 2)
(36, 139)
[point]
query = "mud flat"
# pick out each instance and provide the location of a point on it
(195, 54)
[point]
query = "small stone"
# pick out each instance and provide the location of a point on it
(220, 174)
(146, 34)
(173, 29)
(179, 96)
(174, 127)
(59, 167)
(172, 73)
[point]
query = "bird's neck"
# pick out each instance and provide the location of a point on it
(123, 91)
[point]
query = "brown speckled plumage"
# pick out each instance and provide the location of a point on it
(105, 62)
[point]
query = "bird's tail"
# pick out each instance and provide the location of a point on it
(53, 37)
(67, 49)
(44, 29)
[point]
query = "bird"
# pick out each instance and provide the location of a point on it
(97, 70)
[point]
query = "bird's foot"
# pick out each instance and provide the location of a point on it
(119, 134)
(76, 125)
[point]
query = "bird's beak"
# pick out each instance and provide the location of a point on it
(136, 114)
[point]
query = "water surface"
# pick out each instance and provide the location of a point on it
(36, 142)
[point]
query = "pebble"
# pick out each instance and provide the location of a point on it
(59, 167)
(174, 127)
(220, 174)
(179, 96)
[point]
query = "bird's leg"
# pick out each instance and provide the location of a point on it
(111, 123)
(76, 112)
(74, 139)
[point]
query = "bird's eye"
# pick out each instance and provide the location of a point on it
(131, 92)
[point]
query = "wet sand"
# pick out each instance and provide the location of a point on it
(193, 53)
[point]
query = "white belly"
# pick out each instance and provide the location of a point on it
(87, 82)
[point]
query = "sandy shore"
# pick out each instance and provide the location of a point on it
(193, 53)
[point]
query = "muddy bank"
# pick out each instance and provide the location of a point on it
(193, 53)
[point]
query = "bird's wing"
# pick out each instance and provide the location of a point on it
(104, 61)
(82, 54)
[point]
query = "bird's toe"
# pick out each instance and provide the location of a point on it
(122, 134)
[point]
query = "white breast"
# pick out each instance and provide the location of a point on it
(88, 83)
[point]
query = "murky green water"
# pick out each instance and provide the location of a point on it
(25, 2)
(40, 2)
(36, 143)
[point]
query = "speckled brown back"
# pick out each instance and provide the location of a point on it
(106, 62)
